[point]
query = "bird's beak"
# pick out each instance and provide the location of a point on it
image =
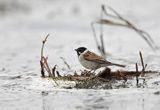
(75, 49)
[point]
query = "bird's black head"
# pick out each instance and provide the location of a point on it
(80, 50)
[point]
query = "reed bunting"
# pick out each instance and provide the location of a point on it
(92, 61)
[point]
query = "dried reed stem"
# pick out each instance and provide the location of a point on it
(41, 61)
(125, 23)
(54, 70)
(142, 62)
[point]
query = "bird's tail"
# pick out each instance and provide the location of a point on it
(118, 65)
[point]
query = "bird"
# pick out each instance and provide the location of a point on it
(92, 61)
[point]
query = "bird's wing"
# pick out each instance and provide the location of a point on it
(90, 56)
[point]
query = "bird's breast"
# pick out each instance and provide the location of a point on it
(88, 64)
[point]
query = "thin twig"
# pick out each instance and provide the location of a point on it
(65, 62)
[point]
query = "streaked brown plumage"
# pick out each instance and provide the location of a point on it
(93, 61)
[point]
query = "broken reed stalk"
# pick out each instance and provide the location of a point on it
(42, 69)
(41, 61)
(142, 62)
(54, 70)
(126, 24)
(46, 66)
(143, 67)
(137, 80)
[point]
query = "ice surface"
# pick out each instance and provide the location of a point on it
(24, 24)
